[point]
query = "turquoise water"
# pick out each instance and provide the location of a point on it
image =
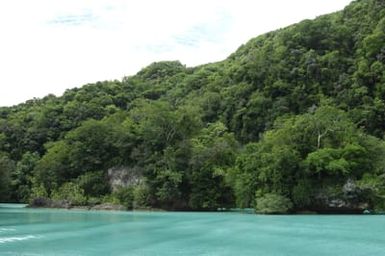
(62, 232)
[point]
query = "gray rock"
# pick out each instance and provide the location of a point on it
(337, 203)
(346, 199)
(121, 177)
(351, 190)
(40, 202)
(108, 207)
(61, 204)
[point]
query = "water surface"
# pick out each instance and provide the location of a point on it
(63, 232)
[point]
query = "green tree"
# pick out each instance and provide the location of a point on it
(22, 177)
(214, 151)
(7, 166)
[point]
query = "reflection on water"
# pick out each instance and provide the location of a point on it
(15, 238)
(4, 205)
(26, 231)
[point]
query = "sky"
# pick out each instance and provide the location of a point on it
(48, 46)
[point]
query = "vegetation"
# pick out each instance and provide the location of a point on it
(272, 203)
(293, 120)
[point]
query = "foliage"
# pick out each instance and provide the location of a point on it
(271, 203)
(374, 186)
(213, 150)
(93, 184)
(23, 175)
(70, 192)
(305, 153)
(125, 196)
(6, 168)
(141, 196)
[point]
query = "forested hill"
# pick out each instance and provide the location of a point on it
(293, 120)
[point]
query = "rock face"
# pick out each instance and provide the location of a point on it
(119, 177)
(108, 207)
(351, 190)
(42, 202)
(347, 200)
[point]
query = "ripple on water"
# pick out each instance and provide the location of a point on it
(9, 239)
(3, 230)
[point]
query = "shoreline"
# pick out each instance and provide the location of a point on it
(121, 208)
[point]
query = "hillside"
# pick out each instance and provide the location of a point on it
(293, 120)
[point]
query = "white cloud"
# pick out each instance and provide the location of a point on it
(47, 46)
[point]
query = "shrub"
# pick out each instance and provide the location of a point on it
(93, 183)
(302, 193)
(141, 196)
(70, 192)
(94, 201)
(38, 191)
(110, 199)
(125, 196)
(272, 204)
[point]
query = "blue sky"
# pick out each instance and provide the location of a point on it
(48, 46)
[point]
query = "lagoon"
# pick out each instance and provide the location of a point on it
(26, 231)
